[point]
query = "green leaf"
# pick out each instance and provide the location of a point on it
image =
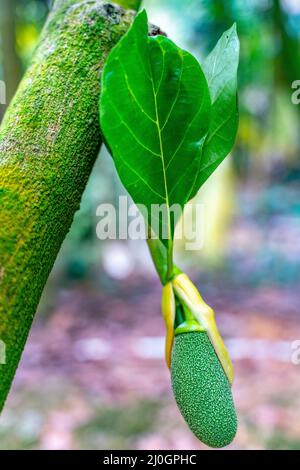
(220, 69)
(154, 113)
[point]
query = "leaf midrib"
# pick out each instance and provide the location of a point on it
(161, 143)
(160, 129)
(162, 156)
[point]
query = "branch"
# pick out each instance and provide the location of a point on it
(49, 140)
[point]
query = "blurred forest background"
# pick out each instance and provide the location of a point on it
(93, 375)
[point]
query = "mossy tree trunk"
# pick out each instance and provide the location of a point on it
(49, 140)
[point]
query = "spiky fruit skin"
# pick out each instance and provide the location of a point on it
(202, 391)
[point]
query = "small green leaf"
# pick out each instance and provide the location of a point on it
(154, 113)
(220, 69)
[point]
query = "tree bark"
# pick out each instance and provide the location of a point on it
(49, 140)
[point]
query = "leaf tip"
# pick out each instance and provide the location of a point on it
(142, 15)
(233, 31)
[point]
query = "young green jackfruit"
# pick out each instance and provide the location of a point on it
(202, 390)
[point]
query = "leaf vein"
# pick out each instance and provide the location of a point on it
(184, 136)
(177, 96)
(131, 131)
(209, 138)
(141, 178)
(133, 95)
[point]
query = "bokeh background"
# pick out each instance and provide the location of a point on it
(92, 374)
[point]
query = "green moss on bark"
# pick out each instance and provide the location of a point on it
(49, 140)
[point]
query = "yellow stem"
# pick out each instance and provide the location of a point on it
(168, 311)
